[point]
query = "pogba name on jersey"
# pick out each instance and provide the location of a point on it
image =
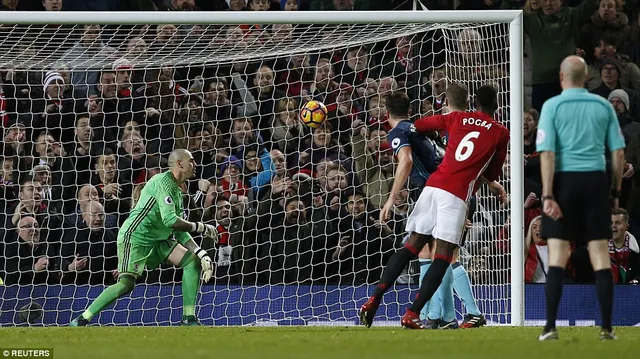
(477, 146)
(476, 122)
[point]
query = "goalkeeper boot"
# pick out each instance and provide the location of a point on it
(449, 325)
(550, 334)
(189, 321)
(411, 320)
(473, 321)
(368, 311)
(79, 322)
(607, 335)
(432, 323)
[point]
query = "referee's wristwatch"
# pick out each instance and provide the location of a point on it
(614, 193)
(544, 198)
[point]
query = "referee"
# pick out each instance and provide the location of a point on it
(573, 130)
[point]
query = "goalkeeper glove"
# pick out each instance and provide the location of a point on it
(205, 263)
(207, 230)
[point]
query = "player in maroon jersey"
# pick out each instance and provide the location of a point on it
(477, 147)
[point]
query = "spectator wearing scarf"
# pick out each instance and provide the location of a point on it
(623, 249)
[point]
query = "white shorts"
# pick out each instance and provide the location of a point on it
(440, 214)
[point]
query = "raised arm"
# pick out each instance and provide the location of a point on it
(362, 162)
(247, 107)
(431, 123)
(264, 177)
(583, 12)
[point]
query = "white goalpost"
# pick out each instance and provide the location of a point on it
(98, 100)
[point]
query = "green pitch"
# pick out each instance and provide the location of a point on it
(324, 343)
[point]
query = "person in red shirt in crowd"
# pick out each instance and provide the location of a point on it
(231, 178)
(623, 249)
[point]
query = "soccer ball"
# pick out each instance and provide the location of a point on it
(313, 113)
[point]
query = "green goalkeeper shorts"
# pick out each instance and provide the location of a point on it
(133, 258)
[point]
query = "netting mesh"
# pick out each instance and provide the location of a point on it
(186, 45)
(91, 112)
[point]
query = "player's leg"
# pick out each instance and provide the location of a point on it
(432, 280)
(131, 263)
(391, 272)
(179, 256)
(125, 284)
(461, 283)
(462, 286)
(399, 261)
(445, 294)
(439, 312)
(433, 306)
(420, 224)
(450, 218)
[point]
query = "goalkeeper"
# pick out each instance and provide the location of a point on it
(145, 240)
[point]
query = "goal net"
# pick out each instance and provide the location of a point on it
(91, 112)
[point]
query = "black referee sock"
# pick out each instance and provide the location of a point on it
(553, 291)
(604, 290)
(394, 268)
(430, 283)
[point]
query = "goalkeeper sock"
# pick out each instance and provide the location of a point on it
(553, 292)
(431, 282)
(424, 267)
(604, 291)
(394, 268)
(462, 286)
(446, 296)
(109, 295)
(190, 283)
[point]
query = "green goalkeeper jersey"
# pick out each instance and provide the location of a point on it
(159, 207)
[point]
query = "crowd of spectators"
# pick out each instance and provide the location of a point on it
(292, 204)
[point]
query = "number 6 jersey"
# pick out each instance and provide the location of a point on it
(477, 146)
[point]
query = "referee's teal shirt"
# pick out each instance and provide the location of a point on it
(576, 125)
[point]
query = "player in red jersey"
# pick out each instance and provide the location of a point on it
(477, 147)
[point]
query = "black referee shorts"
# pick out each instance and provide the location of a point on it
(583, 198)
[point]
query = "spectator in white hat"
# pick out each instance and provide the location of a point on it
(236, 5)
(622, 104)
(52, 112)
(123, 69)
(53, 85)
(619, 99)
